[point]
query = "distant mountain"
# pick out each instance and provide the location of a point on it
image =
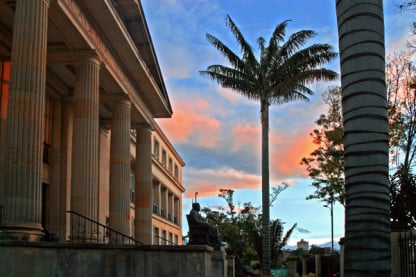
(323, 245)
(337, 247)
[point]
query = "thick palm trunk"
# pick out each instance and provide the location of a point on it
(266, 261)
(367, 210)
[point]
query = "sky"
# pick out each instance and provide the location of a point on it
(218, 133)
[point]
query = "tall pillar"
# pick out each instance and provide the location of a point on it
(24, 133)
(120, 167)
(66, 157)
(84, 177)
(143, 185)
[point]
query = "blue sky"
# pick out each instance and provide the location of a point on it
(217, 132)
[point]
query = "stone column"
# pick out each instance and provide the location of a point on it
(304, 268)
(318, 265)
(84, 177)
(66, 157)
(291, 268)
(120, 166)
(143, 185)
(25, 123)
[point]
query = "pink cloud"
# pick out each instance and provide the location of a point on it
(191, 123)
(208, 182)
(285, 156)
(246, 134)
(228, 94)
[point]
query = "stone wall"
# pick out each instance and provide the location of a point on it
(62, 259)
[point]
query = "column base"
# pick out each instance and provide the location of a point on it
(22, 232)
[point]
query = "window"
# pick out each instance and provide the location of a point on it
(164, 157)
(164, 237)
(47, 131)
(156, 148)
(4, 86)
(170, 238)
(132, 194)
(176, 172)
(176, 240)
(156, 236)
(132, 226)
(170, 166)
(155, 208)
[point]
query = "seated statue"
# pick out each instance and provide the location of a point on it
(200, 231)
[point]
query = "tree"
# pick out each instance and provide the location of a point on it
(403, 195)
(401, 95)
(409, 5)
(279, 75)
(326, 163)
(242, 229)
(366, 157)
(402, 125)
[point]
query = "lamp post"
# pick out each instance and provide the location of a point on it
(331, 208)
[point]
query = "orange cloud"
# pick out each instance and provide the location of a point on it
(190, 124)
(246, 134)
(208, 182)
(228, 94)
(285, 157)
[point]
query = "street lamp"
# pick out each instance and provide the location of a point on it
(331, 208)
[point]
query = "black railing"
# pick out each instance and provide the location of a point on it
(165, 241)
(408, 253)
(86, 230)
(155, 209)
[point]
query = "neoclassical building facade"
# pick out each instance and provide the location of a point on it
(80, 90)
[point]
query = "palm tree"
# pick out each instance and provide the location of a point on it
(366, 139)
(279, 75)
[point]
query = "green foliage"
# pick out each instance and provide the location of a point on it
(242, 230)
(326, 163)
(403, 196)
(316, 250)
(299, 253)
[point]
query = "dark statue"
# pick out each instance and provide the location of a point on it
(200, 231)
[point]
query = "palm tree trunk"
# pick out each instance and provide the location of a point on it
(367, 209)
(266, 261)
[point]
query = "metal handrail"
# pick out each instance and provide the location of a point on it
(87, 230)
(165, 241)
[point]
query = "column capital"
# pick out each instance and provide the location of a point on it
(141, 126)
(113, 99)
(87, 57)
